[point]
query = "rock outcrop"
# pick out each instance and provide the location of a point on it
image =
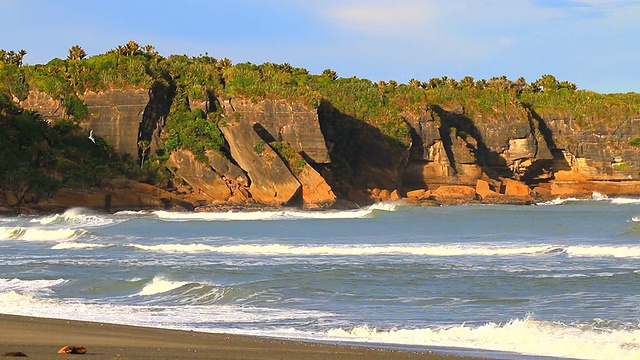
(116, 115)
(271, 181)
(44, 104)
(199, 175)
(283, 121)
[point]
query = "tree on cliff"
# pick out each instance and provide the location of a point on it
(331, 74)
(12, 57)
(76, 53)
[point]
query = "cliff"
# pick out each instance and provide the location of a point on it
(326, 143)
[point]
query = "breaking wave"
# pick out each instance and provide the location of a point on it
(77, 217)
(595, 196)
(79, 246)
(28, 286)
(39, 234)
(527, 336)
(160, 285)
(275, 215)
(407, 249)
(346, 250)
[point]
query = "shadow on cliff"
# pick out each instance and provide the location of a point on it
(559, 162)
(362, 157)
(489, 160)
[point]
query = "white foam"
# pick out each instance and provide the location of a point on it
(78, 246)
(559, 201)
(526, 336)
(595, 196)
(76, 217)
(160, 285)
(40, 234)
(275, 215)
(28, 285)
(623, 201)
(348, 250)
(599, 196)
(173, 317)
(635, 219)
(604, 251)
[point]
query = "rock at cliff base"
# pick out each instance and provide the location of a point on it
(416, 194)
(515, 188)
(454, 193)
(199, 175)
(316, 193)
(484, 190)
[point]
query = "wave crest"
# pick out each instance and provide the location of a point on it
(275, 215)
(39, 234)
(76, 217)
(518, 336)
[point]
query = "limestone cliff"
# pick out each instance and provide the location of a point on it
(271, 182)
(280, 120)
(116, 116)
(499, 155)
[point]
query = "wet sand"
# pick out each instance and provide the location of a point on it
(40, 338)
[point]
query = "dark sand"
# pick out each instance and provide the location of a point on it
(41, 338)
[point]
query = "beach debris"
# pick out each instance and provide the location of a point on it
(73, 350)
(15, 354)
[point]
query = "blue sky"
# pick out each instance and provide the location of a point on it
(592, 43)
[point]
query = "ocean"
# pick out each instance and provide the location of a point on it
(553, 280)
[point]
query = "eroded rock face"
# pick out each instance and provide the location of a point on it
(116, 115)
(44, 104)
(284, 121)
(597, 149)
(316, 193)
(226, 168)
(199, 175)
(271, 181)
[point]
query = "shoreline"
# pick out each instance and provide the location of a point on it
(41, 338)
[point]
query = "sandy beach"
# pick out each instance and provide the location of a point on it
(41, 338)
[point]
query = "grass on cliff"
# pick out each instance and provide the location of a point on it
(59, 156)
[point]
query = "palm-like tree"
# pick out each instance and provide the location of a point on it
(76, 53)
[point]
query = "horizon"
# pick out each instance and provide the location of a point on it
(586, 42)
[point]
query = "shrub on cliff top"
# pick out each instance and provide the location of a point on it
(290, 156)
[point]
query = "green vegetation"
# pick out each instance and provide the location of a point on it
(259, 147)
(621, 167)
(290, 156)
(35, 154)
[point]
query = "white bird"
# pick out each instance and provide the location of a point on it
(91, 136)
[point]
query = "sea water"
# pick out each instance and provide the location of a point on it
(554, 280)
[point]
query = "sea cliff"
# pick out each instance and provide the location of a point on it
(288, 138)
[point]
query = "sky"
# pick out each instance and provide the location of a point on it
(594, 44)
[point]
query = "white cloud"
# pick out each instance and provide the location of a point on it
(382, 18)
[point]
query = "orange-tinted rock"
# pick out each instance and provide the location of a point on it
(454, 193)
(316, 193)
(384, 195)
(515, 188)
(416, 194)
(72, 350)
(394, 195)
(483, 189)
